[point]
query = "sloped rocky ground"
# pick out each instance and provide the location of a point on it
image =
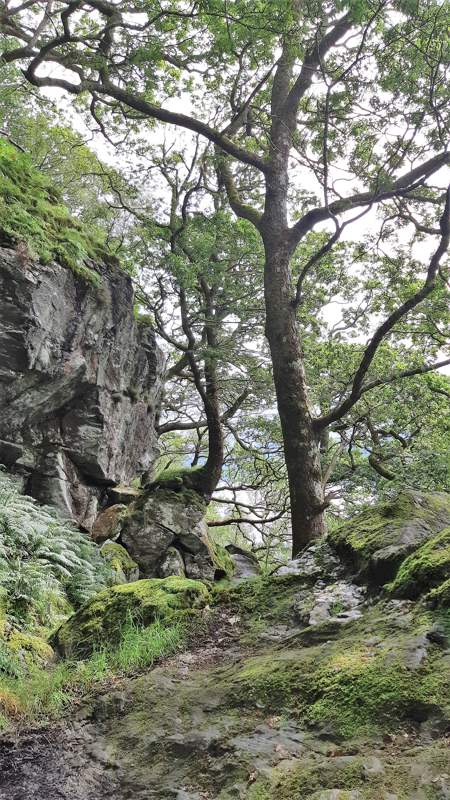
(318, 684)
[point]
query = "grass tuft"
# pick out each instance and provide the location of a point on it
(45, 693)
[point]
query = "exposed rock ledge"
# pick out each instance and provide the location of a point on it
(80, 383)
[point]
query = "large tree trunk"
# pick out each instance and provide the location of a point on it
(301, 442)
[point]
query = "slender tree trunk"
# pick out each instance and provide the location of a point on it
(301, 442)
(212, 470)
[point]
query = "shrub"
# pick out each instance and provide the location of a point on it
(46, 565)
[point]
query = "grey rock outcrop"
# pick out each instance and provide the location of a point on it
(246, 565)
(171, 564)
(341, 601)
(79, 383)
(161, 520)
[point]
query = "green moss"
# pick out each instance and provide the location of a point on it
(20, 651)
(441, 594)
(305, 778)
(31, 215)
(101, 620)
(381, 526)
(178, 473)
(223, 560)
(173, 492)
(344, 683)
(401, 776)
(424, 569)
(261, 602)
(120, 561)
(33, 649)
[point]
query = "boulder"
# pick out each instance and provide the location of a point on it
(123, 495)
(171, 564)
(20, 651)
(246, 565)
(101, 620)
(376, 541)
(108, 523)
(425, 569)
(161, 519)
(340, 601)
(80, 382)
(318, 560)
(124, 568)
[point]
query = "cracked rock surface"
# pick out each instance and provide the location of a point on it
(80, 383)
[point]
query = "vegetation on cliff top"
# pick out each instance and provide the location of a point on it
(34, 220)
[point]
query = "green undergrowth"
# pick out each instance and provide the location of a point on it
(33, 217)
(100, 621)
(48, 569)
(41, 694)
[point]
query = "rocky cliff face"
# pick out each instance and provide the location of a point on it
(80, 383)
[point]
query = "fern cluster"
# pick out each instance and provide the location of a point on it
(46, 564)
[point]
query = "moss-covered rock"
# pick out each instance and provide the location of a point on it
(99, 622)
(31, 649)
(362, 677)
(377, 540)
(32, 216)
(162, 518)
(427, 568)
(261, 602)
(223, 562)
(441, 594)
(349, 693)
(20, 650)
(125, 569)
(408, 772)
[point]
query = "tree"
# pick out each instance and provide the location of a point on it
(191, 287)
(296, 99)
